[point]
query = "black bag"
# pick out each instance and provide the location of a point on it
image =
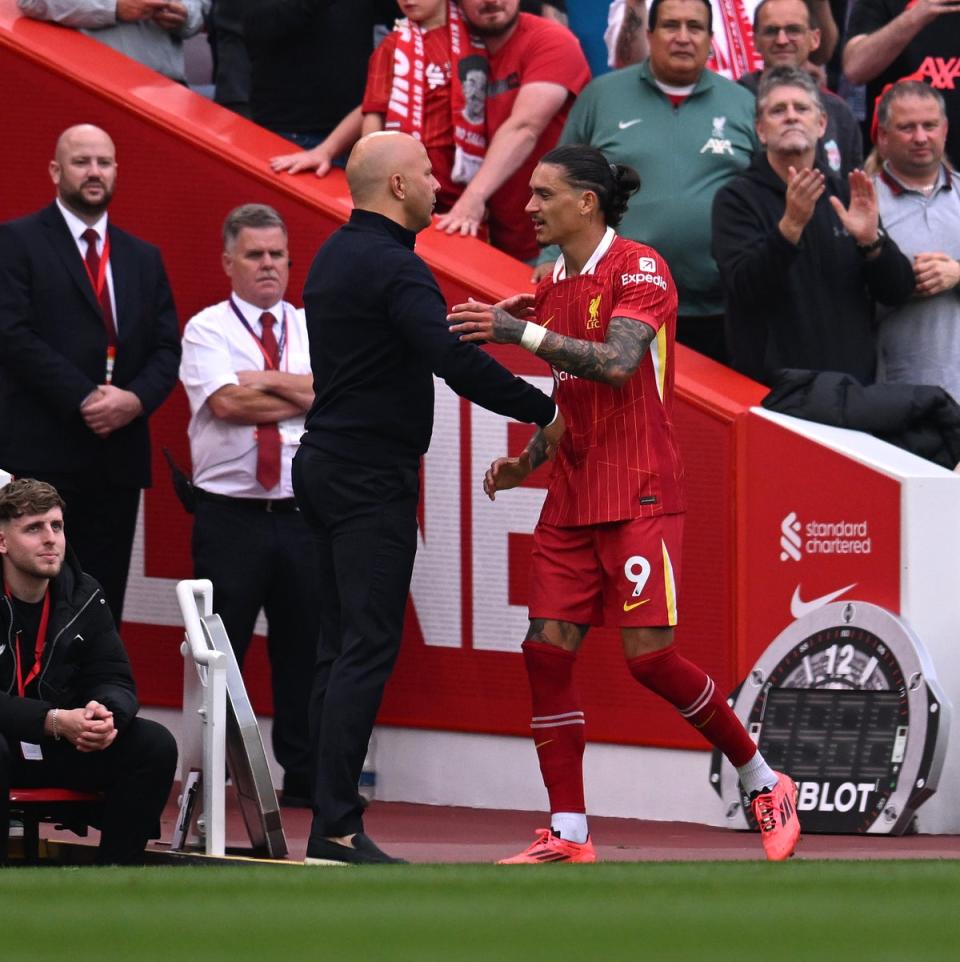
(182, 485)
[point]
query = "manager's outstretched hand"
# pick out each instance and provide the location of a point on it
(551, 436)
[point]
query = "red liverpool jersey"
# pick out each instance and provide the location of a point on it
(619, 458)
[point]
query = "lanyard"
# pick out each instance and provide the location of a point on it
(281, 344)
(97, 285)
(40, 644)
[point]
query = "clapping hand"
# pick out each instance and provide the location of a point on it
(862, 218)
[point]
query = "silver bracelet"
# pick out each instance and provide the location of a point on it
(56, 724)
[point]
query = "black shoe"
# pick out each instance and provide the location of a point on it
(364, 852)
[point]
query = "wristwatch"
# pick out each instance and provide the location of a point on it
(866, 249)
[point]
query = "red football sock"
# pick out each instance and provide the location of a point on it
(692, 692)
(557, 723)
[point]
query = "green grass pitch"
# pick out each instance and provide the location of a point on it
(875, 911)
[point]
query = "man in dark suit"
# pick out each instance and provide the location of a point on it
(89, 348)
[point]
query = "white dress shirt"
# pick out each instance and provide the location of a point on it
(216, 345)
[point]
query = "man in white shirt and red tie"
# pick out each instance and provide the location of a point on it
(89, 346)
(246, 370)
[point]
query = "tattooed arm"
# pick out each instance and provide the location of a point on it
(507, 473)
(612, 361)
(630, 44)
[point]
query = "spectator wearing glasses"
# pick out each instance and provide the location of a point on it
(892, 39)
(733, 48)
(787, 34)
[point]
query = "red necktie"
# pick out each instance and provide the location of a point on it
(102, 295)
(268, 435)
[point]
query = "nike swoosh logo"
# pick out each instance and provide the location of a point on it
(629, 123)
(546, 323)
(705, 723)
(541, 744)
(799, 608)
(628, 607)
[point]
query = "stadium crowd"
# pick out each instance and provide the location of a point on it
(489, 86)
(745, 123)
(681, 107)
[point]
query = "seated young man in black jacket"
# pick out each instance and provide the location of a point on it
(803, 257)
(67, 697)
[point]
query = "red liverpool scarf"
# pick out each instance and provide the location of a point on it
(733, 51)
(409, 90)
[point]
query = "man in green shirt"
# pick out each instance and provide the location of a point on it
(687, 131)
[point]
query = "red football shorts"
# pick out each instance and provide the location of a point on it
(623, 574)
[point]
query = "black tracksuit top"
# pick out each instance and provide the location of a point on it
(378, 332)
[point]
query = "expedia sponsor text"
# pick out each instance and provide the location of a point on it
(644, 279)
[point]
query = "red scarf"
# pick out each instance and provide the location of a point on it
(405, 109)
(735, 54)
(469, 133)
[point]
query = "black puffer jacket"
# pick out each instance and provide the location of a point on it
(84, 659)
(921, 419)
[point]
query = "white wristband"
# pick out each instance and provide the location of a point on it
(532, 335)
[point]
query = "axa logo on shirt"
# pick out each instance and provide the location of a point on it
(941, 71)
(822, 537)
(644, 278)
(717, 143)
(717, 147)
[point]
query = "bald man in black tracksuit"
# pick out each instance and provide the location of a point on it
(378, 334)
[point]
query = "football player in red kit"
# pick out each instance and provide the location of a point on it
(607, 545)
